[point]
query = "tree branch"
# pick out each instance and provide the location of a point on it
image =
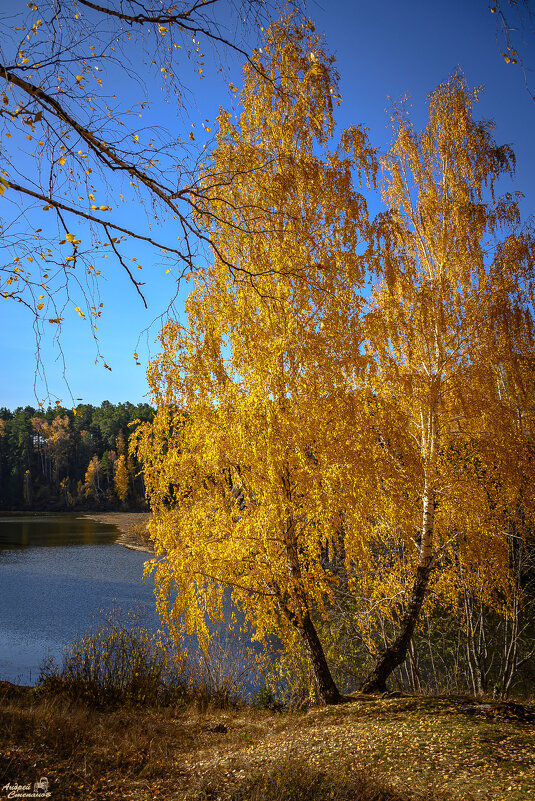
(91, 217)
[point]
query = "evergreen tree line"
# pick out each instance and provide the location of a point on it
(62, 459)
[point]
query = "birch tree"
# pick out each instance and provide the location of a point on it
(450, 341)
(244, 460)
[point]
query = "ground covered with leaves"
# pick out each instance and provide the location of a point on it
(369, 749)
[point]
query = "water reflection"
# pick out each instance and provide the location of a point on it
(53, 532)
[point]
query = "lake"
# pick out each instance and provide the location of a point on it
(59, 576)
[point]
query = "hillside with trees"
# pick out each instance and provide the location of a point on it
(66, 459)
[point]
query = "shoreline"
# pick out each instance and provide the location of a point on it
(131, 527)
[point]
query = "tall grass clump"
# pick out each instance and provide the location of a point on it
(120, 662)
(228, 673)
(294, 779)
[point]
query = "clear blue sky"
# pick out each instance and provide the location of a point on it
(384, 49)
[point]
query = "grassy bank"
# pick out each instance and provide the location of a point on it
(372, 749)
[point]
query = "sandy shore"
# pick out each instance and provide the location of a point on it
(131, 526)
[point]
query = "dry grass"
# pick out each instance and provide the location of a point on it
(368, 750)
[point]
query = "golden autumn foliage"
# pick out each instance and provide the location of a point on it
(450, 337)
(52, 440)
(92, 479)
(243, 461)
(120, 478)
(311, 434)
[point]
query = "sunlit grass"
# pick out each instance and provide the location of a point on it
(373, 748)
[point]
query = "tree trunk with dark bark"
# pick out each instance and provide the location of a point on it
(326, 689)
(394, 655)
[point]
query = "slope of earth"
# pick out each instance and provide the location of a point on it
(372, 749)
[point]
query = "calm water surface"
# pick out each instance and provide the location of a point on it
(57, 577)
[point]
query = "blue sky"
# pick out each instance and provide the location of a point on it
(385, 49)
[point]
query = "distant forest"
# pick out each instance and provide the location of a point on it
(62, 459)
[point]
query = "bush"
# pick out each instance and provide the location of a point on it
(121, 662)
(226, 673)
(266, 699)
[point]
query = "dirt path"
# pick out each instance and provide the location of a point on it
(132, 526)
